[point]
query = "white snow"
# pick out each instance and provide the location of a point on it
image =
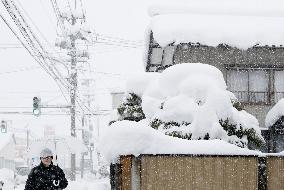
(137, 83)
(213, 29)
(135, 138)
(276, 112)
(5, 138)
(268, 8)
(89, 182)
(194, 93)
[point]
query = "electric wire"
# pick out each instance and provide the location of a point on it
(50, 46)
(49, 70)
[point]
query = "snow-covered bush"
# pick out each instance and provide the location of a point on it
(190, 101)
(275, 113)
(131, 108)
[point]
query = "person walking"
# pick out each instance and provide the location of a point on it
(46, 176)
(1, 185)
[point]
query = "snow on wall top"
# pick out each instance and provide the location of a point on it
(135, 138)
(275, 113)
(239, 24)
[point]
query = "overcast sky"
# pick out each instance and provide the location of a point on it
(21, 77)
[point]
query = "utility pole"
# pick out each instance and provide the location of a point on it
(86, 83)
(73, 82)
(76, 32)
(72, 31)
(28, 146)
(82, 154)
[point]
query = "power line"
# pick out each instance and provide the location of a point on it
(120, 39)
(24, 29)
(20, 70)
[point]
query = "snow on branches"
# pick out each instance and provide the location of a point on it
(190, 101)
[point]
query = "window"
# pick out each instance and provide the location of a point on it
(279, 85)
(162, 56)
(156, 56)
(249, 85)
(168, 55)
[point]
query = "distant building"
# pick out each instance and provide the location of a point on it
(7, 146)
(49, 131)
(7, 150)
(117, 98)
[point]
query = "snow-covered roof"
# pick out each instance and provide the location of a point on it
(236, 23)
(276, 112)
(268, 8)
(237, 31)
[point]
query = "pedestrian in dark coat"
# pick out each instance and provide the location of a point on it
(1, 185)
(46, 176)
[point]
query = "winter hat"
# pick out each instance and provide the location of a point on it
(45, 153)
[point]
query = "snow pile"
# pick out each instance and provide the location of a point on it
(139, 82)
(194, 94)
(7, 176)
(187, 100)
(275, 113)
(87, 183)
(271, 8)
(237, 31)
(129, 137)
(241, 24)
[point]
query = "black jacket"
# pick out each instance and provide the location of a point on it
(46, 178)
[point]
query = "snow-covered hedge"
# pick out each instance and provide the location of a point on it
(190, 101)
(275, 113)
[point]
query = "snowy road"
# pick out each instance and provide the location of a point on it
(102, 184)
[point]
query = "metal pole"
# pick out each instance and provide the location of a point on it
(82, 154)
(73, 81)
(28, 144)
(90, 128)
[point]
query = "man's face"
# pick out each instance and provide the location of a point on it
(46, 161)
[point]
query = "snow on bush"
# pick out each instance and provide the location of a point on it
(135, 138)
(276, 112)
(190, 101)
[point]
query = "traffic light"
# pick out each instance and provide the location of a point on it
(36, 106)
(3, 126)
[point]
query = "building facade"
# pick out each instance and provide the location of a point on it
(254, 75)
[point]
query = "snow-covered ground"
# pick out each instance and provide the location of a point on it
(89, 182)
